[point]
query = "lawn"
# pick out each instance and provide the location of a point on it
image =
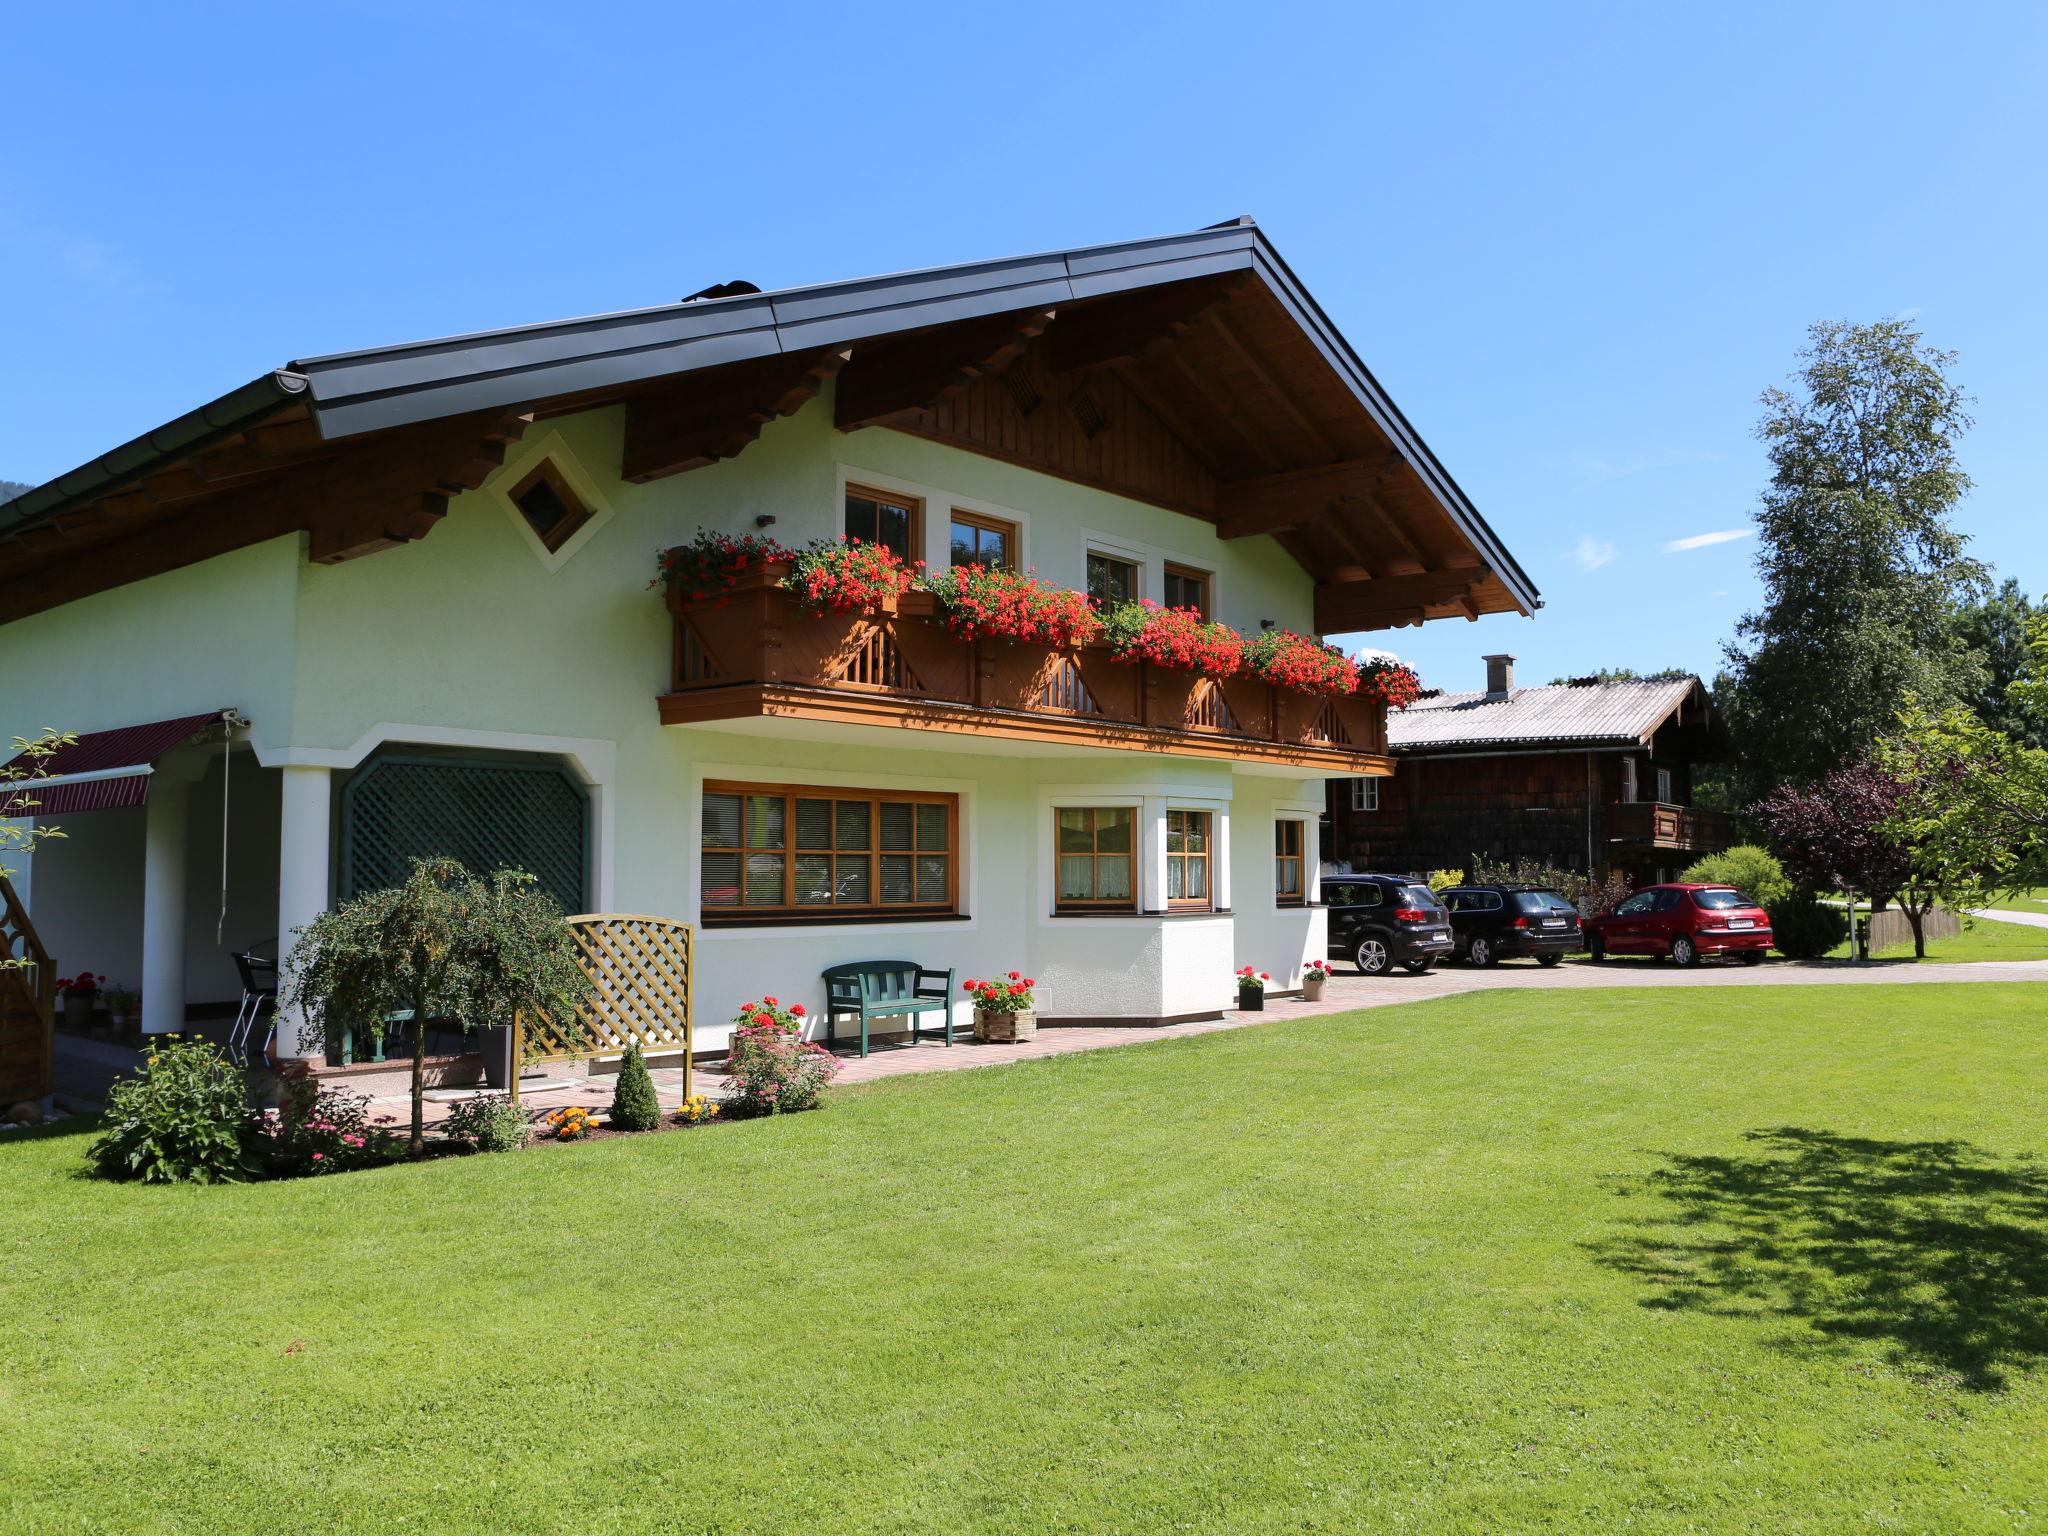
(1769, 1259)
(1982, 938)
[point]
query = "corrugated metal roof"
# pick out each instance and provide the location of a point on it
(1594, 713)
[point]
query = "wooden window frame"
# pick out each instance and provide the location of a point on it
(1120, 904)
(1206, 902)
(912, 504)
(1135, 567)
(1012, 532)
(580, 511)
(1282, 857)
(790, 911)
(1365, 794)
(1667, 785)
(1206, 580)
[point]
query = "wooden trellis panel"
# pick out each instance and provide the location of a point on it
(641, 970)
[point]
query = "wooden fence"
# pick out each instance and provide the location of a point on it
(1890, 930)
(641, 971)
(28, 1004)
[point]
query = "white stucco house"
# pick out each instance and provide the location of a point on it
(398, 601)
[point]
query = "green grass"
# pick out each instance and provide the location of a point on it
(2035, 900)
(1748, 1259)
(1982, 938)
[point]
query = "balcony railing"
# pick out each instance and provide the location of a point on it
(1652, 824)
(757, 652)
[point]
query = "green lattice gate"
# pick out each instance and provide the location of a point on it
(486, 813)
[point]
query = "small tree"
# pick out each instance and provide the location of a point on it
(1837, 836)
(1752, 870)
(445, 944)
(18, 800)
(634, 1106)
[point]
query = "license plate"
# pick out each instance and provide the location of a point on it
(1741, 922)
(1553, 922)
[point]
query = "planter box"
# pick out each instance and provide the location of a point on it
(1005, 1028)
(1312, 983)
(1252, 1000)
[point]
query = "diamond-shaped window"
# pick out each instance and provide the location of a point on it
(550, 507)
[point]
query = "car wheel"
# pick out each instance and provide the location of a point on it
(1418, 967)
(1548, 959)
(1371, 956)
(1682, 952)
(1479, 953)
(1596, 948)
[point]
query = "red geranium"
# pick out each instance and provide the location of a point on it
(981, 600)
(1172, 637)
(711, 564)
(1011, 996)
(1300, 664)
(848, 576)
(1391, 682)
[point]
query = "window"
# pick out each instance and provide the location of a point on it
(1187, 589)
(552, 510)
(1187, 860)
(1664, 786)
(1637, 905)
(882, 517)
(778, 850)
(1628, 780)
(1289, 887)
(1097, 860)
(1365, 794)
(988, 541)
(1110, 579)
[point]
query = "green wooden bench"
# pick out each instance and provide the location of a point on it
(887, 989)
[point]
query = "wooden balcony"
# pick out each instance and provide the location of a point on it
(1680, 828)
(758, 653)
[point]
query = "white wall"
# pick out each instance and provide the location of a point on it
(86, 899)
(252, 817)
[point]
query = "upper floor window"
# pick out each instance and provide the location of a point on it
(1628, 780)
(1187, 860)
(1188, 588)
(979, 540)
(1664, 796)
(779, 850)
(1097, 857)
(1111, 579)
(550, 507)
(885, 518)
(1365, 794)
(1289, 887)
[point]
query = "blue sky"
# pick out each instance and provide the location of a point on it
(1573, 241)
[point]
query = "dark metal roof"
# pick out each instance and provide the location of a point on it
(383, 387)
(1570, 714)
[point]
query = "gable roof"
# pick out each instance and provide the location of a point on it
(1350, 489)
(1563, 715)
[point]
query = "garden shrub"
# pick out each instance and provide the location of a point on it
(1753, 871)
(1804, 928)
(634, 1106)
(1593, 897)
(184, 1119)
(490, 1122)
(770, 1067)
(316, 1130)
(1441, 880)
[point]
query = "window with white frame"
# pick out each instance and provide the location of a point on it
(1365, 794)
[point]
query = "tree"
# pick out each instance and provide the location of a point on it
(1997, 630)
(19, 832)
(9, 489)
(1863, 576)
(1623, 675)
(1752, 870)
(1836, 836)
(1975, 808)
(634, 1106)
(444, 945)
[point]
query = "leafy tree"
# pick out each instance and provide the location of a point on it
(1975, 807)
(1624, 675)
(1752, 870)
(9, 489)
(634, 1106)
(1863, 576)
(1838, 835)
(1997, 629)
(445, 945)
(19, 833)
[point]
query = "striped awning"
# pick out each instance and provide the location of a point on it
(100, 770)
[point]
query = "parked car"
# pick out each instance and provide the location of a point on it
(1687, 922)
(1380, 921)
(1500, 922)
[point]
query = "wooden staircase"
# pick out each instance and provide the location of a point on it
(28, 1004)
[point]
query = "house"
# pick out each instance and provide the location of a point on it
(1583, 775)
(395, 602)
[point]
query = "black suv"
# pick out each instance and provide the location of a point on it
(1499, 922)
(1380, 921)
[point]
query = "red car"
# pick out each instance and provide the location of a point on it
(1686, 922)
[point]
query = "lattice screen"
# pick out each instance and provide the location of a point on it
(639, 970)
(485, 814)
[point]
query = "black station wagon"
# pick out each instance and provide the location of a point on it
(1499, 922)
(1380, 921)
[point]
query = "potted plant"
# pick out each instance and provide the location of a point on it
(1003, 1009)
(78, 993)
(1314, 977)
(1251, 989)
(120, 1009)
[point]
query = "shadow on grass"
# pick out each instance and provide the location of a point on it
(70, 1125)
(1934, 1248)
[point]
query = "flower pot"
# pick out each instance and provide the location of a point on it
(1251, 999)
(499, 1067)
(1006, 1027)
(1312, 983)
(78, 1009)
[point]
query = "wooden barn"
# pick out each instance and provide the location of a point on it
(1584, 775)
